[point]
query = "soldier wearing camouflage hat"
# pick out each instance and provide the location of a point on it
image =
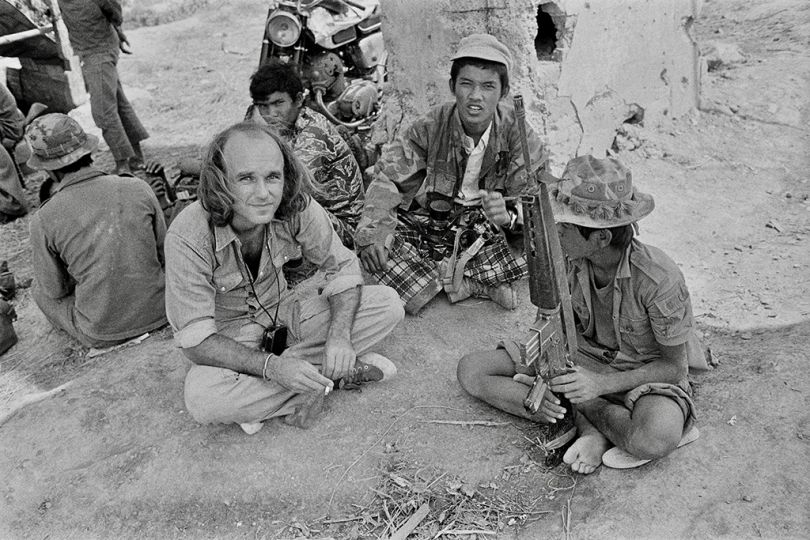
(97, 243)
(635, 330)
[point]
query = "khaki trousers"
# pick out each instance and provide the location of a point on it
(216, 395)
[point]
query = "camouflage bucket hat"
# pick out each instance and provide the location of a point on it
(598, 193)
(56, 141)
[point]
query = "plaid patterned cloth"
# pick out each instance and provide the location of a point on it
(416, 277)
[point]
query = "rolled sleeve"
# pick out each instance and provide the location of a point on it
(671, 315)
(190, 291)
(321, 245)
(194, 333)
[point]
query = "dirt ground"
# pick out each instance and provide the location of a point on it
(115, 454)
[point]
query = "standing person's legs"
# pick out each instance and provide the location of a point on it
(101, 79)
(130, 121)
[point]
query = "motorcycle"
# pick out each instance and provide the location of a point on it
(338, 48)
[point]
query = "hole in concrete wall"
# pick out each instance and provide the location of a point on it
(545, 42)
(635, 114)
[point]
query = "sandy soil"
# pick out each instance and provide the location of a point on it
(115, 455)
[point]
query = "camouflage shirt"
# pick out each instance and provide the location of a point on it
(319, 146)
(430, 156)
(90, 25)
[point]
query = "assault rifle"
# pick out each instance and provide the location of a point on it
(552, 338)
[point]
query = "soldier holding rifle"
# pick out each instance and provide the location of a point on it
(634, 326)
(437, 208)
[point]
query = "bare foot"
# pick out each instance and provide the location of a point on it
(585, 455)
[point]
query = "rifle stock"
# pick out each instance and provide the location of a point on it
(552, 338)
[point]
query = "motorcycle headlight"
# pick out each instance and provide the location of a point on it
(283, 29)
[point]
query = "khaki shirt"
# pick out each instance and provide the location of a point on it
(651, 306)
(208, 285)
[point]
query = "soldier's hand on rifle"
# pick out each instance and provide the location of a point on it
(374, 258)
(579, 385)
(550, 409)
(494, 206)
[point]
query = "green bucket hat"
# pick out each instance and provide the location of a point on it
(57, 140)
(598, 193)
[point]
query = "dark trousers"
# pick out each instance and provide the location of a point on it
(111, 110)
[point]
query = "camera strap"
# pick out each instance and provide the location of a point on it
(273, 318)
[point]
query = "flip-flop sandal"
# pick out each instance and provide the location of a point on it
(616, 458)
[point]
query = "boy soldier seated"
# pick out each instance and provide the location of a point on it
(226, 295)
(635, 330)
(458, 162)
(97, 243)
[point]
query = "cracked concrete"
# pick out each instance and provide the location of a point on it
(607, 63)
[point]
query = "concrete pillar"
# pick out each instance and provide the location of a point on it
(583, 67)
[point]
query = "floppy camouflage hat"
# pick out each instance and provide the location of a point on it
(56, 141)
(486, 47)
(598, 193)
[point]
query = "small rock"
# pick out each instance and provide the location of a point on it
(732, 421)
(788, 195)
(747, 498)
(773, 224)
(746, 335)
(718, 54)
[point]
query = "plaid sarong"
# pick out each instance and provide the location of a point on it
(416, 276)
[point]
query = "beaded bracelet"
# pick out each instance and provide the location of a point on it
(264, 369)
